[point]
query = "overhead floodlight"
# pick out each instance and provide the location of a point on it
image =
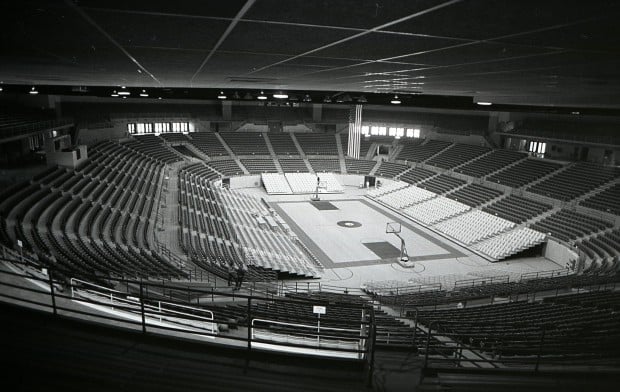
(144, 93)
(221, 95)
(261, 96)
(307, 98)
(33, 91)
(280, 95)
(158, 97)
(1, 88)
(327, 99)
(114, 94)
(124, 92)
(395, 100)
(484, 103)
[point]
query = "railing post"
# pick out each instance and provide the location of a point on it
(49, 276)
(249, 323)
(142, 306)
(428, 343)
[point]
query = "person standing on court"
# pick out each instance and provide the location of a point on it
(240, 276)
(232, 274)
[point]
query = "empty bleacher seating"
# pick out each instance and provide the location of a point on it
(473, 226)
(256, 166)
(293, 165)
(517, 208)
(509, 243)
(359, 166)
(496, 160)
(607, 200)
(325, 165)
(317, 144)
(569, 225)
(246, 143)
(456, 155)
(435, 210)
(474, 195)
(283, 144)
(389, 169)
(576, 180)
(416, 175)
(227, 167)
(524, 172)
(208, 143)
(441, 183)
(414, 152)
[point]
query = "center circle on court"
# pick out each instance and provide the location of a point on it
(349, 224)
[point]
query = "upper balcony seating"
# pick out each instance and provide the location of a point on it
(602, 246)
(576, 180)
(246, 143)
(317, 144)
(524, 172)
(496, 160)
(456, 155)
(517, 208)
(414, 152)
(208, 143)
(607, 200)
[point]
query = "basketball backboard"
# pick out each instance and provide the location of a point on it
(392, 227)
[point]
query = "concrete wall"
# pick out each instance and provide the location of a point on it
(559, 252)
(67, 159)
(92, 136)
(252, 181)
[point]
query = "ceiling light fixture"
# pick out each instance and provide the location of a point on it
(123, 93)
(114, 94)
(307, 98)
(33, 91)
(262, 96)
(327, 99)
(221, 95)
(144, 94)
(395, 100)
(280, 95)
(484, 103)
(1, 88)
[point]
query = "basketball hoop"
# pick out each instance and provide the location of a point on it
(395, 228)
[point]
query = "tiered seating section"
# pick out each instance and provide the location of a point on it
(389, 169)
(221, 226)
(577, 180)
(246, 143)
(605, 246)
(325, 165)
(276, 184)
(474, 195)
(359, 166)
(227, 167)
(293, 165)
(509, 243)
(414, 152)
(283, 144)
(441, 184)
(473, 226)
(607, 200)
(208, 143)
(496, 160)
(317, 144)
(524, 172)
(174, 137)
(457, 155)
(517, 208)
(435, 210)
(102, 222)
(257, 166)
(416, 175)
(569, 225)
(306, 182)
(404, 197)
(154, 147)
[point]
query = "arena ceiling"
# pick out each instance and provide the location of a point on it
(525, 52)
